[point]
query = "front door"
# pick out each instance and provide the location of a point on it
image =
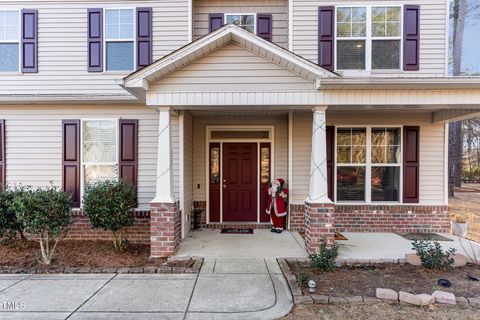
(240, 185)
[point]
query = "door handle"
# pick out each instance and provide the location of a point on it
(224, 186)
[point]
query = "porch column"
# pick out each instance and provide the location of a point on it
(165, 217)
(319, 209)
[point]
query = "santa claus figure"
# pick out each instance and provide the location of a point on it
(276, 205)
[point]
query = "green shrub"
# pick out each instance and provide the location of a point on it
(302, 277)
(324, 259)
(109, 205)
(45, 215)
(432, 256)
(10, 226)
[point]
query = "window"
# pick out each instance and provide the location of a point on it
(214, 165)
(386, 37)
(244, 21)
(9, 41)
(119, 39)
(99, 154)
(368, 38)
(368, 164)
(351, 35)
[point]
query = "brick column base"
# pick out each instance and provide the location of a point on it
(165, 229)
(319, 225)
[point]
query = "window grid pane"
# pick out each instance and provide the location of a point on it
(9, 60)
(119, 24)
(383, 168)
(9, 26)
(99, 141)
(245, 21)
(119, 56)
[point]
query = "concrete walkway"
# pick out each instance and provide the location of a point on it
(225, 289)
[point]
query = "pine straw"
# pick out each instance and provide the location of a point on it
(91, 254)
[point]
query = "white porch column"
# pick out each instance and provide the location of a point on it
(318, 164)
(164, 190)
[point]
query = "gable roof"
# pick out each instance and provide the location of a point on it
(138, 82)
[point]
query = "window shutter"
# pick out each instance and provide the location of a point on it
(2, 155)
(128, 150)
(71, 160)
(331, 161)
(326, 19)
(264, 26)
(29, 41)
(215, 21)
(95, 40)
(411, 163)
(144, 37)
(411, 38)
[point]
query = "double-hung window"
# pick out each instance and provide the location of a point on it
(244, 21)
(9, 41)
(368, 164)
(119, 39)
(99, 150)
(368, 38)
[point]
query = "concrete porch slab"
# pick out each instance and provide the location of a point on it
(261, 244)
(248, 266)
(127, 316)
(380, 246)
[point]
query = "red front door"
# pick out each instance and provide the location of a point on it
(240, 182)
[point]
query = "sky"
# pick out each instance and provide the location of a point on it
(471, 40)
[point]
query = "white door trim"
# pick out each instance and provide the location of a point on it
(208, 130)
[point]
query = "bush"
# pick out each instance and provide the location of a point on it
(432, 256)
(324, 259)
(10, 226)
(302, 277)
(108, 205)
(45, 214)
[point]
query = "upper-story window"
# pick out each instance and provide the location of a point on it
(368, 37)
(119, 39)
(9, 40)
(244, 21)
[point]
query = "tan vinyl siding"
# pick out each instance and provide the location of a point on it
(278, 9)
(62, 46)
(187, 169)
(432, 32)
(231, 68)
(34, 142)
(199, 143)
(432, 150)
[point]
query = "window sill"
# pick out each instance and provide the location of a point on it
(126, 72)
(11, 73)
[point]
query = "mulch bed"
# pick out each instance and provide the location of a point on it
(87, 254)
(363, 280)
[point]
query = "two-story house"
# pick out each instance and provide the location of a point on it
(201, 103)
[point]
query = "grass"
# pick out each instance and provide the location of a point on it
(381, 311)
(466, 203)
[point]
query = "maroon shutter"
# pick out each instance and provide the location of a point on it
(95, 40)
(2, 155)
(215, 21)
(29, 41)
(144, 37)
(411, 38)
(128, 150)
(330, 161)
(326, 18)
(264, 26)
(411, 163)
(71, 160)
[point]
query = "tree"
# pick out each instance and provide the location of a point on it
(455, 140)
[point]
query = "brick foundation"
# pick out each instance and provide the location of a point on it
(165, 229)
(319, 225)
(81, 229)
(394, 218)
(202, 206)
(297, 217)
